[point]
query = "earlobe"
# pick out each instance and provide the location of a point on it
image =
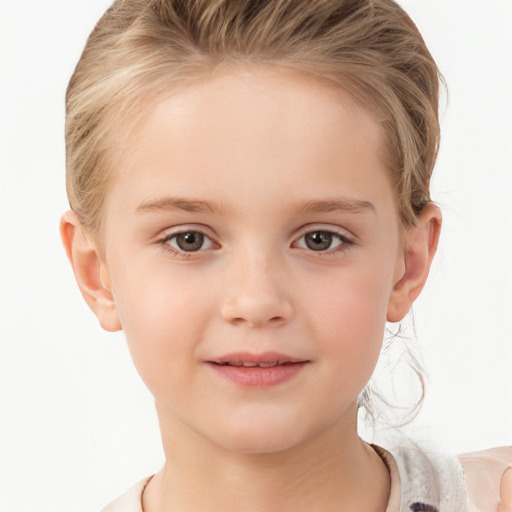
(90, 271)
(421, 245)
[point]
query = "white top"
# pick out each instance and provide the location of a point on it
(421, 481)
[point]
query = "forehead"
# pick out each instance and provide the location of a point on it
(257, 99)
(255, 127)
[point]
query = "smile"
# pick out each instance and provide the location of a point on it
(258, 371)
(248, 364)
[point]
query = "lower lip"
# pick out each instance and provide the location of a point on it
(258, 377)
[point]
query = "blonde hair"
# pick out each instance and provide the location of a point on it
(142, 49)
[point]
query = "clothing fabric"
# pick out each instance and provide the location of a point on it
(421, 481)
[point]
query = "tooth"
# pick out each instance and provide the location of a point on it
(235, 363)
(268, 365)
(249, 365)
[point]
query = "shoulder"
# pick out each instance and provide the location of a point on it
(471, 482)
(130, 501)
(429, 479)
(488, 479)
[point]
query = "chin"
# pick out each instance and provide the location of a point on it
(258, 446)
(261, 439)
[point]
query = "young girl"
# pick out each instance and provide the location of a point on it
(249, 184)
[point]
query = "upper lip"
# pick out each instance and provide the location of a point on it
(250, 359)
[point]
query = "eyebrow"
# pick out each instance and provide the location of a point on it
(337, 205)
(176, 203)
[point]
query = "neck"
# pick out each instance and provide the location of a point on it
(335, 470)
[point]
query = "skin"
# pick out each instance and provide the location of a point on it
(256, 159)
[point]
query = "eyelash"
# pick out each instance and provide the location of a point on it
(167, 247)
(345, 243)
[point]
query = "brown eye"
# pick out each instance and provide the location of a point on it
(318, 240)
(323, 240)
(189, 241)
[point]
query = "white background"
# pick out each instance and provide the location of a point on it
(77, 426)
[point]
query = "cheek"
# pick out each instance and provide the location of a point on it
(353, 301)
(161, 318)
(348, 318)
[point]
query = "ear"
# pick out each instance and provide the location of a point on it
(90, 271)
(420, 246)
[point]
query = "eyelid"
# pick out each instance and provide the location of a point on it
(169, 233)
(185, 228)
(329, 228)
(172, 241)
(347, 237)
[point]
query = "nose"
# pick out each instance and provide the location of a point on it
(254, 294)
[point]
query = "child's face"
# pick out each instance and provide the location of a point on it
(253, 218)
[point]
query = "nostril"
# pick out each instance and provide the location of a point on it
(264, 321)
(256, 308)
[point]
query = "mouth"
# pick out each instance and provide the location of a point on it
(249, 360)
(249, 364)
(258, 370)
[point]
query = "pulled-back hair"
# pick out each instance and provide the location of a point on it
(142, 49)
